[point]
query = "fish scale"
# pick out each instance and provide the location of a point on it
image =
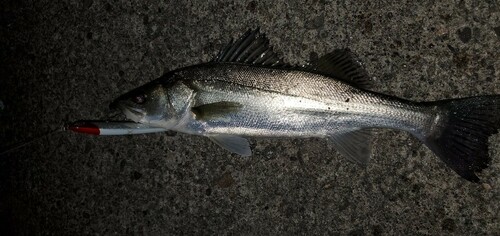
(315, 93)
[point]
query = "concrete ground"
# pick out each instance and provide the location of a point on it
(62, 62)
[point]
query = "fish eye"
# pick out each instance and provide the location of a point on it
(139, 99)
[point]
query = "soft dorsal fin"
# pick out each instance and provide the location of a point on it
(251, 48)
(343, 64)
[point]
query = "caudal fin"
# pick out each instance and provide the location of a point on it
(462, 140)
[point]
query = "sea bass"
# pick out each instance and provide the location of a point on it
(247, 91)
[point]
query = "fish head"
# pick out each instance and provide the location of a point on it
(145, 104)
(157, 104)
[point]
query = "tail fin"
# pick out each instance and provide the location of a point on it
(462, 141)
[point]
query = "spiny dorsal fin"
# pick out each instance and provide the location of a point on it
(215, 110)
(343, 64)
(251, 48)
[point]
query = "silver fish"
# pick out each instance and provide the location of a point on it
(247, 91)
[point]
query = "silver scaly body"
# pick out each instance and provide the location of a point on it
(247, 91)
(288, 103)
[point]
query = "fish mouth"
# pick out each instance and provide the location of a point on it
(132, 113)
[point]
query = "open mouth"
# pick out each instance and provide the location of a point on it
(132, 113)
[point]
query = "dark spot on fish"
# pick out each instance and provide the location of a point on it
(497, 31)
(266, 207)
(347, 100)
(328, 108)
(348, 108)
(89, 35)
(465, 34)
(135, 175)
(121, 73)
(208, 191)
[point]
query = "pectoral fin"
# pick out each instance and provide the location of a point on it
(234, 144)
(215, 110)
(355, 145)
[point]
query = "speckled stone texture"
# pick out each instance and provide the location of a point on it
(63, 62)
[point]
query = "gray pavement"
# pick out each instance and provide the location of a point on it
(63, 62)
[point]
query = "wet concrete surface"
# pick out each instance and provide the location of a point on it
(63, 62)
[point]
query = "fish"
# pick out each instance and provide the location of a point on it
(247, 90)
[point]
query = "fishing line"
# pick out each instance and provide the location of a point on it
(62, 128)
(21, 144)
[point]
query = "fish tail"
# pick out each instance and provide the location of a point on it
(461, 139)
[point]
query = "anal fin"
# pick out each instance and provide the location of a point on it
(234, 144)
(354, 145)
